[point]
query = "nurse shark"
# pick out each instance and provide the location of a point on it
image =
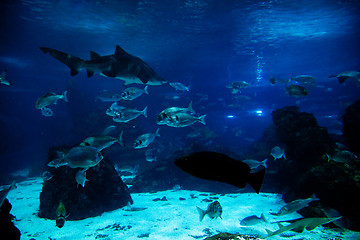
(120, 65)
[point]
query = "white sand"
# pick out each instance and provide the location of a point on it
(172, 219)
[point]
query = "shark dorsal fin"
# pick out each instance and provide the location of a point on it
(94, 55)
(119, 51)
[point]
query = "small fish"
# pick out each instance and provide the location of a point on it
(255, 164)
(144, 140)
(214, 210)
(50, 98)
(46, 176)
(114, 110)
(150, 155)
(166, 114)
(183, 119)
(215, 166)
(296, 205)
(278, 152)
(102, 142)
(128, 114)
(132, 92)
(81, 177)
(108, 130)
(4, 192)
(179, 86)
(78, 157)
(60, 215)
(296, 90)
(3, 78)
(342, 156)
(236, 86)
(108, 97)
(47, 112)
(348, 75)
(307, 80)
(253, 220)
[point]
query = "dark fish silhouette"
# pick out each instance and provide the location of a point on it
(219, 167)
(120, 65)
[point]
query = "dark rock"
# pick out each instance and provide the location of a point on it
(182, 199)
(105, 191)
(7, 227)
(351, 128)
(230, 236)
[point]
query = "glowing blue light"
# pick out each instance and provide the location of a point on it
(258, 112)
(230, 116)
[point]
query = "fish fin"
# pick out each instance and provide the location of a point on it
(201, 212)
(276, 214)
(89, 73)
(342, 79)
(202, 119)
(13, 185)
(284, 153)
(94, 55)
(157, 133)
(190, 107)
(264, 163)
(65, 96)
(120, 139)
(144, 112)
(119, 51)
(270, 233)
(73, 71)
(146, 89)
(256, 179)
(263, 218)
(314, 198)
(328, 157)
(332, 76)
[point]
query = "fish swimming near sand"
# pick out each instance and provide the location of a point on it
(214, 210)
(80, 177)
(219, 167)
(253, 220)
(5, 192)
(60, 215)
(295, 205)
(121, 65)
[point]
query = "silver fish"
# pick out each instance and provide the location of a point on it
(214, 210)
(114, 109)
(236, 86)
(47, 112)
(50, 98)
(132, 92)
(81, 177)
(108, 130)
(307, 80)
(183, 119)
(295, 205)
(3, 78)
(127, 115)
(179, 86)
(255, 164)
(278, 152)
(150, 155)
(253, 220)
(144, 140)
(342, 156)
(108, 97)
(79, 157)
(166, 114)
(102, 142)
(4, 192)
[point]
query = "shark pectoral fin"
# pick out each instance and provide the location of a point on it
(256, 179)
(89, 73)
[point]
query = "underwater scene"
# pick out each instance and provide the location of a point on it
(181, 119)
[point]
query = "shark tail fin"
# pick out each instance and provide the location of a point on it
(146, 89)
(264, 163)
(120, 139)
(256, 179)
(65, 96)
(201, 212)
(144, 112)
(202, 119)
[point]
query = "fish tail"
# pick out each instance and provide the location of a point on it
(202, 119)
(314, 198)
(328, 157)
(13, 185)
(201, 212)
(256, 179)
(284, 153)
(144, 112)
(270, 233)
(190, 107)
(157, 133)
(65, 96)
(263, 218)
(264, 163)
(146, 90)
(120, 139)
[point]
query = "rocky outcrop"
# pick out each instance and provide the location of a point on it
(105, 191)
(351, 128)
(7, 227)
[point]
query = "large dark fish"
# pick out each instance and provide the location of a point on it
(219, 167)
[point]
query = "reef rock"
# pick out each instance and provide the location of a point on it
(351, 128)
(104, 191)
(7, 227)
(229, 236)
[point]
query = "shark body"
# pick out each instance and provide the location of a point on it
(121, 65)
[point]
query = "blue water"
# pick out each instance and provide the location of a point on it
(205, 44)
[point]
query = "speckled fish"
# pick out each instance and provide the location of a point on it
(214, 210)
(179, 86)
(278, 152)
(102, 142)
(296, 205)
(165, 114)
(4, 192)
(79, 157)
(80, 177)
(128, 114)
(183, 119)
(307, 80)
(109, 97)
(348, 75)
(50, 98)
(132, 92)
(253, 220)
(296, 90)
(144, 140)
(3, 78)
(60, 215)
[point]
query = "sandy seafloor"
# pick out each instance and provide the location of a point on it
(171, 219)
